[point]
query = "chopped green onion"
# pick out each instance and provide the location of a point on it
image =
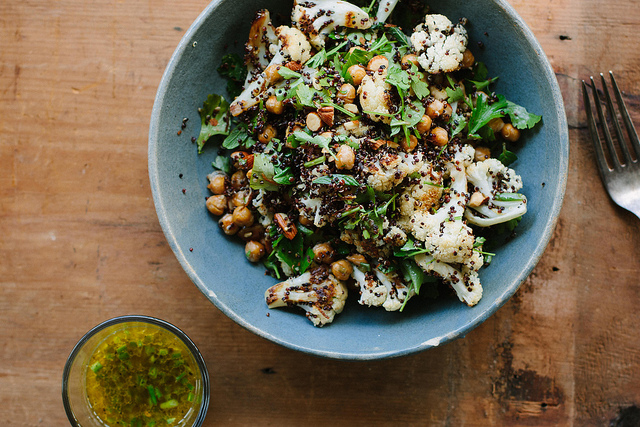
(96, 367)
(173, 403)
(152, 395)
(315, 161)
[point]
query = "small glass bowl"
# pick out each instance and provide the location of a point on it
(74, 395)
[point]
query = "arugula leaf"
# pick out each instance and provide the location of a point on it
(233, 69)
(237, 137)
(214, 119)
(318, 140)
(520, 117)
(283, 176)
(223, 163)
(286, 73)
(263, 173)
(409, 250)
(329, 179)
(507, 157)
(484, 112)
(398, 36)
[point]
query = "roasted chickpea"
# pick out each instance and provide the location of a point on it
(435, 109)
(307, 222)
(324, 253)
(424, 125)
(467, 59)
(347, 93)
(341, 269)
(272, 74)
(254, 250)
(227, 225)
(411, 144)
(357, 259)
(273, 105)
(239, 179)
(217, 204)
(268, 132)
(255, 232)
(345, 157)
(242, 216)
(482, 153)
(357, 73)
(217, 184)
(409, 59)
(377, 62)
(439, 136)
(496, 124)
(510, 133)
(241, 198)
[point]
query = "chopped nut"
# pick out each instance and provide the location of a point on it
(326, 115)
(477, 199)
(352, 108)
(314, 122)
(288, 228)
(294, 65)
(242, 160)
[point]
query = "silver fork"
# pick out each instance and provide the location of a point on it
(621, 178)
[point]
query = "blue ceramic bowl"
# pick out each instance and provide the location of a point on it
(217, 264)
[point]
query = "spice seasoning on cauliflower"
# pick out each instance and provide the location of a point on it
(361, 159)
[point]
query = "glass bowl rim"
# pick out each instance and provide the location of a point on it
(140, 319)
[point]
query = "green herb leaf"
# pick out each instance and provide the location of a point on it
(520, 117)
(222, 163)
(400, 37)
(286, 73)
(263, 173)
(318, 140)
(409, 250)
(233, 69)
(339, 178)
(484, 112)
(214, 118)
(507, 157)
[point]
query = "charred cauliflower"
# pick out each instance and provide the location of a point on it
(439, 44)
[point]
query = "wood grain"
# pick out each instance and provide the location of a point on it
(80, 243)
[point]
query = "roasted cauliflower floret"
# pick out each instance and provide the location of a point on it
(464, 281)
(499, 187)
(422, 196)
(294, 44)
(320, 294)
(317, 19)
(439, 44)
(388, 169)
(375, 96)
(380, 289)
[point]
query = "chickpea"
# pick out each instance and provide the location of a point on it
(357, 259)
(273, 105)
(447, 112)
(341, 269)
(217, 204)
(357, 73)
(323, 252)
(409, 59)
(255, 232)
(439, 136)
(411, 145)
(510, 133)
(254, 250)
(424, 125)
(314, 122)
(435, 109)
(467, 59)
(239, 179)
(377, 62)
(347, 93)
(306, 221)
(345, 157)
(242, 216)
(241, 198)
(268, 132)
(482, 153)
(217, 184)
(496, 124)
(227, 225)
(272, 74)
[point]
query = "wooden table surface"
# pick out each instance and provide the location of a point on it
(80, 243)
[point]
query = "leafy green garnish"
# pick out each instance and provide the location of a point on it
(507, 157)
(223, 163)
(337, 178)
(520, 117)
(400, 37)
(409, 249)
(318, 140)
(286, 73)
(484, 112)
(233, 69)
(237, 137)
(214, 118)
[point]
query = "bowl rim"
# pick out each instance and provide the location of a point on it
(163, 324)
(509, 291)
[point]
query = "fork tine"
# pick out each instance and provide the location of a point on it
(593, 131)
(616, 125)
(631, 130)
(605, 128)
